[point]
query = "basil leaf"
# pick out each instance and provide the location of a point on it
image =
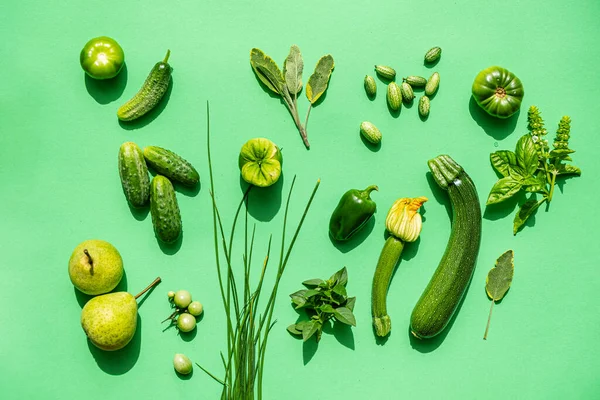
(502, 159)
(566, 169)
(317, 83)
(561, 153)
(294, 330)
(312, 282)
(267, 71)
(503, 189)
(340, 277)
(350, 303)
(527, 210)
(292, 70)
(340, 290)
(345, 316)
(526, 154)
(517, 173)
(326, 308)
(310, 329)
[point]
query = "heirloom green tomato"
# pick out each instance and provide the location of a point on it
(182, 364)
(498, 91)
(260, 162)
(102, 58)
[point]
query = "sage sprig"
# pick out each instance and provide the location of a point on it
(288, 84)
(323, 300)
(532, 167)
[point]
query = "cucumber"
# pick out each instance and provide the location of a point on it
(153, 89)
(171, 165)
(134, 174)
(449, 283)
(164, 209)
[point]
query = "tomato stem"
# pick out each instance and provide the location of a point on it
(501, 92)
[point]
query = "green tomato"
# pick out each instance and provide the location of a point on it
(102, 58)
(195, 308)
(182, 298)
(260, 162)
(182, 364)
(186, 322)
(498, 91)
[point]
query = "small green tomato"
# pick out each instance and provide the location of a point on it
(260, 162)
(102, 58)
(195, 308)
(182, 298)
(171, 294)
(186, 322)
(182, 364)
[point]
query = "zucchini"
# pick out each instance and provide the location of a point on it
(164, 209)
(134, 174)
(449, 283)
(152, 91)
(171, 165)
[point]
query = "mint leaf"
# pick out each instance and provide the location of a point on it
(501, 160)
(345, 316)
(503, 189)
(527, 210)
(526, 155)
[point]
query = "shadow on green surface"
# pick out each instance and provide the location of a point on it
(108, 90)
(355, 240)
(440, 195)
(185, 377)
(170, 249)
(83, 298)
(497, 128)
(263, 203)
(188, 336)
(343, 334)
(139, 214)
(374, 147)
(187, 190)
(431, 64)
(120, 361)
(151, 115)
(309, 349)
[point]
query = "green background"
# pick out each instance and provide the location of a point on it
(60, 186)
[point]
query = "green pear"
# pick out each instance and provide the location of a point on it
(110, 320)
(95, 267)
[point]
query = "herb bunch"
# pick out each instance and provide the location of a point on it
(532, 167)
(323, 301)
(289, 83)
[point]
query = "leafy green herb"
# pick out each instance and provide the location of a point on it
(498, 281)
(532, 167)
(325, 300)
(289, 83)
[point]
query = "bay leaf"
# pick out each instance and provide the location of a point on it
(317, 83)
(292, 70)
(267, 71)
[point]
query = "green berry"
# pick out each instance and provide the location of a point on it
(186, 322)
(195, 308)
(182, 298)
(171, 294)
(182, 364)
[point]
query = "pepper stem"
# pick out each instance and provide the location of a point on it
(150, 286)
(370, 189)
(167, 56)
(87, 253)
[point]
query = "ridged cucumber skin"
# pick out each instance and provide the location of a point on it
(164, 209)
(152, 91)
(171, 165)
(134, 174)
(451, 279)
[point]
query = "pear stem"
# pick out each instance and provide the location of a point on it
(87, 253)
(150, 286)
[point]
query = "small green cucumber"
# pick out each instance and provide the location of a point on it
(407, 92)
(152, 91)
(433, 54)
(164, 209)
(370, 86)
(385, 71)
(171, 165)
(394, 96)
(134, 174)
(370, 132)
(415, 81)
(432, 84)
(424, 106)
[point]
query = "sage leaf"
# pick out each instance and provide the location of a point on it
(567, 169)
(312, 282)
(340, 277)
(526, 154)
(502, 159)
(310, 329)
(317, 83)
(350, 303)
(267, 71)
(292, 70)
(345, 316)
(498, 281)
(503, 189)
(525, 211)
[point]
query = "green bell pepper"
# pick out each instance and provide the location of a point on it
(102, 58)
(352, 213)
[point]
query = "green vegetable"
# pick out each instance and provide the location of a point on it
(323, 301)
(353, 211)
(134, 174)
(260, 162)
(415, 81)
(102, 58)
(385, 72)
(164, 209)
(407, 92)
(182, 299)
(152, 91)
(394, 96)
(532, 167)
(182, 364)
(370, 132)
(424, 106)
(433, 54)
(289, 83)
(498, 91)
(432, 84)
(447, 287)
(186, 322)
(171, 165)
(370, 86)
(404, 225)
(195, 308)
(498, 282)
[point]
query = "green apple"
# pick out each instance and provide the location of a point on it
(95, 267)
